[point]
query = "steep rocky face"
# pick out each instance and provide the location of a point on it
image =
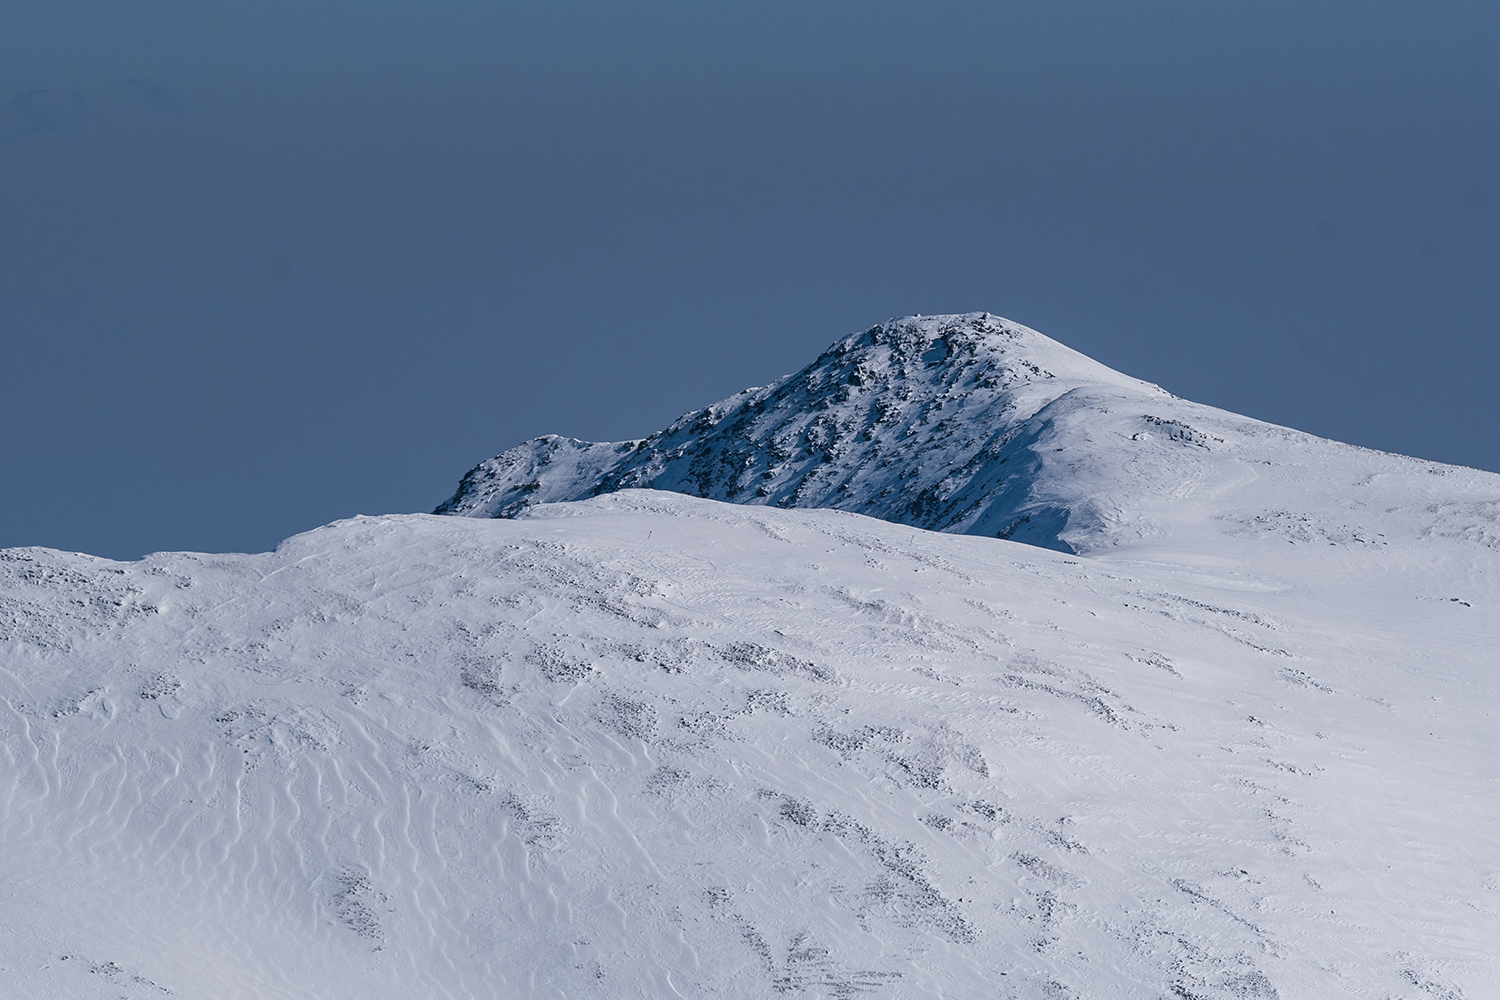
(972, 424)
(926, 421)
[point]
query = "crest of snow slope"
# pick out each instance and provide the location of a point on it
(650, 745)
(978, 425)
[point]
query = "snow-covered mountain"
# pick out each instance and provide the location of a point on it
(977, 425)
(933, 422)
(1239, 742)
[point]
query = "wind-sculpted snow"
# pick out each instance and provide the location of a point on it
(650, 745)
(976, 425)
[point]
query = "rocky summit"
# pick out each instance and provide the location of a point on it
(927, 421)
(977, 425)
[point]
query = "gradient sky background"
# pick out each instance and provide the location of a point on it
(264, 265)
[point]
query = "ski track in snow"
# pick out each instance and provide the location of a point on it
(649, 745)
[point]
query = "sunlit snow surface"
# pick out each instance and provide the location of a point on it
(650, 745)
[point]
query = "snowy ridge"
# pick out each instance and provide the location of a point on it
(977, 425)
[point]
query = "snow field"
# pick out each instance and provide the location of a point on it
(651, 745)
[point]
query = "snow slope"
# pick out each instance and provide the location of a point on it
(1241, 743)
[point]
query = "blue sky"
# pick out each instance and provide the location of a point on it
(267, 265)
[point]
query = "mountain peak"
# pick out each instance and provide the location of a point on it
(909, 421)
(973, 424)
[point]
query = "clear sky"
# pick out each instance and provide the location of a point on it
(264, 265)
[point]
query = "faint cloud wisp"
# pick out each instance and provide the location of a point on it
(34, 111)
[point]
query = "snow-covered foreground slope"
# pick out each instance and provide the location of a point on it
(975, 424)
(652, 745)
